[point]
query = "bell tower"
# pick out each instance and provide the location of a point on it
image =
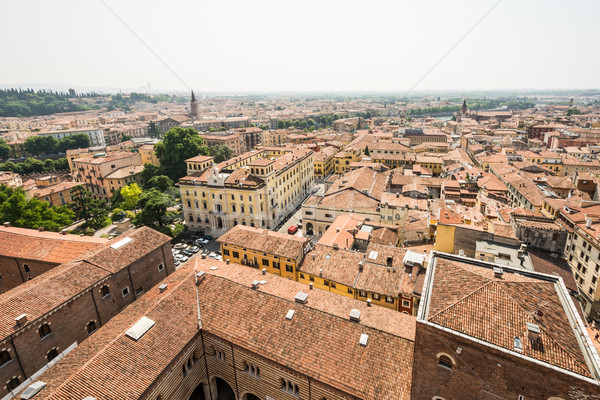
(193, 107)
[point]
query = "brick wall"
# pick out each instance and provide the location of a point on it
(13, 273)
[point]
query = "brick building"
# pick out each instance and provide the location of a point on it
(27, 253)
(44, 317)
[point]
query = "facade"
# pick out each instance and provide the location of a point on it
(148, 154)
(485, 331)
(95, 171)
(257, 189)
(232, 140)
(57, 194)
(123, 177)
(324, 162)
(96, 135)
(44, 317)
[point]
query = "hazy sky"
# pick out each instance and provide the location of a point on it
(284, 45)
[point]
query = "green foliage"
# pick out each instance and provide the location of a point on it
(573, 111)
(42, 144)
(130, 194)
(118, 214)
(149, 171)
(4, 150)
(33, 213)
(280, 124)
(220, 153)
(125, 138)
(367, 152)
(116, 200)
(82, 200)
(159, 182)
(153, 206)
(153, 131)
(27, 103)
(78, 141)
(263, 127)
(177, 145)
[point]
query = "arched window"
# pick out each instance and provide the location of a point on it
(445, 361)
(52, 354)
(91, 327)
(4, 357)
(233, 208)
(13, 384)
(197, 204)
(45, 331)
(189, 204)
(105, 291)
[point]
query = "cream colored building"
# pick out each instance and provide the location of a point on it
(258, 188)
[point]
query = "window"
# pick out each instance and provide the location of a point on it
(236, 254)
(389, 299)
(187, 366)
(139, 290)
(312, 278)
(405, 303)
(220, 355)
(91, 327)
(445, 361)
(350, 290)
(52, 354)
(125, 291)
(376, 296)
(265, 262)
(45, 331)
(276, 264)
(4, 357)
(13, 384)
(290, 388)
(161, 267)
(26, 268)
(225, 252)
(289, 268)
(333, 285)
(362, 293)
(252, 370)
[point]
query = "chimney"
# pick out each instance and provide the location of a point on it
(361, 264)
(320, 272)
(255, 284)
(162, 288)
(21, 319)
(313, 255)
(7, 224)
(354, 315)
(311, 285)
(200, 277)
(533, 331)
(588, 222)
(335, 246)
(337, 230)
(369, 301)
(264, 271)
(498, 272)
(41, 229)
(226, 261)
(63, 232)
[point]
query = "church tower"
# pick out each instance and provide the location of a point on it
(194, 107)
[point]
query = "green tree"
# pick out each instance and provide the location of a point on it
(367, 152)
(220, 153)
(178, 145)
(153, 131)
(263, 127)
(125, 138)
(130, 194)
(159, 182)
(280, 124)
(78, 141)
(82, 201)
(118, 214)
(153, 206)
(37, 145)
(149, 171)
(98, 214)
(4, 150)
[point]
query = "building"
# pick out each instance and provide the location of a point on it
(48, 315)
(234, 141)
(279, 253)
(100, 171)
(56, 194)
(27, 253)
(257, 189)
(486, 331)
(10, 179)
(148, 154)
(324, 162)
(224, 351)
(96, 135)
(198, 164)
(193, 107)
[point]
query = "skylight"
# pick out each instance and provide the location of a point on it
(140, 328)
(121, 243)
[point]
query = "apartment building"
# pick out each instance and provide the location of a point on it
(96, 135)
(234, 141)
(324, 162)
(148, 154)
(257, 189)
(45, 317)
(57, 194)
(100, 171)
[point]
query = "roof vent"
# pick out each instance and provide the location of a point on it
(369, 301)
(21, 319)
(264, 271)
(200, 277)
(354, 315)
(336, 246)
(498, 272)
(314, 255)
(290, 314)
(461, 252)
(320, 271)
(162, 287)
(363, 339)
(227, 261)
(140, 328)
(255, 284)
(301, 297)
(89, 398)
(6, 224)
(311, 285)
(361, 264)
(533, 331)
(33, 389)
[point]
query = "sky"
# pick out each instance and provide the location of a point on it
(288, 45)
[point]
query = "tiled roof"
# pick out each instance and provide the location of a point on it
(49, 247)
(468, 298)
(266, 241)
(340, 265)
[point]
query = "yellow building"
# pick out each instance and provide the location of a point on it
(434, 163)
(277, 253)
(148, 154)
(344, 158)
(324, 162)
(52, 191)
(258, 188)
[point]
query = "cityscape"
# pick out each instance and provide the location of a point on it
(279, 232)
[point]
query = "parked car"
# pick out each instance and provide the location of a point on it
(194, 249)
(184, 258)
(292, 229)
(180, 246)
(212, 255)
(208, 237)
(176, 262)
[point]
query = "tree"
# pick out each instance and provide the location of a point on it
(160, 183)
(78, 141)
(154, 206)
(149, 171)
(263, 127)
(40, 145)
(98, 214)
(82, 202)
(125, 138)
(367, 152)
(4, 150)
(220, 153)
(280, 124)
(153, 131)
(130, 194)
(178, 145)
